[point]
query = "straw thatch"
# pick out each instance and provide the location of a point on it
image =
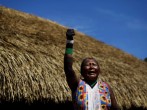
(31, 63)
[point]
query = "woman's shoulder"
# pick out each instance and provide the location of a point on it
(104, 83)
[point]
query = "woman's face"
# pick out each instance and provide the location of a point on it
(90, 70)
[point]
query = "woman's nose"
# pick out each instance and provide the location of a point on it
(91, 65)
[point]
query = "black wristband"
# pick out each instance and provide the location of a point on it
(69, 45)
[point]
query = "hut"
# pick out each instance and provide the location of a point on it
(31, 65)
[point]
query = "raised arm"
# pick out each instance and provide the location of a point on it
(71, 77)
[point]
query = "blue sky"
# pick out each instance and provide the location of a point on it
(119, 23)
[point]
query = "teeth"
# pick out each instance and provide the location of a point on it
(91, 73)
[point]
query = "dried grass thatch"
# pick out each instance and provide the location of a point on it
(31, 62)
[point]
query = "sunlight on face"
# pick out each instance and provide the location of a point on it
(90, 69)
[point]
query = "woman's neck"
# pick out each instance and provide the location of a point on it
(91, 84)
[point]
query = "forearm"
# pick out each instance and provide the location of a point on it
(68, 62)
(68, 59)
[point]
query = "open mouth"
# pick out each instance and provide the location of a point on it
(91, 73)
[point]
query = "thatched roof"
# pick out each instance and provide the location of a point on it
(31, 62)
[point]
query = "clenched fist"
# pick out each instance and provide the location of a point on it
(69, 34)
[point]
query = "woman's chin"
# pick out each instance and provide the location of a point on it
(92, 77)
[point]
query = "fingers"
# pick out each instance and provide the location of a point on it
(70, 33)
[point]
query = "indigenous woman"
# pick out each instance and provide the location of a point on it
(88, 93)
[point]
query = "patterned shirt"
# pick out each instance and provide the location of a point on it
(96, 98)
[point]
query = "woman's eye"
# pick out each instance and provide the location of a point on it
(87, 65)
(93, 64)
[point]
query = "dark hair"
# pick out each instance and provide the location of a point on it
(84, 60)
